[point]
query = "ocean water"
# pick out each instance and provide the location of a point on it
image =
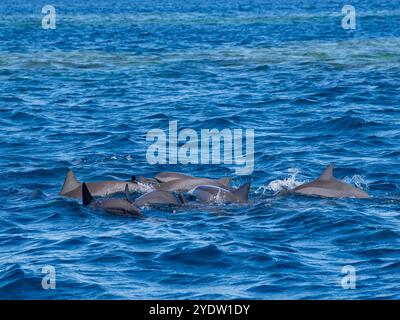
(83, 96)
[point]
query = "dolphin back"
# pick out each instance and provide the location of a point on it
(328, 186)
(157, 197)
(170, 176)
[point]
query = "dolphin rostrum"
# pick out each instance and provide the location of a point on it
(329, 187)
(210, 194)
(72, 188)
(185, 184)
(113, 205)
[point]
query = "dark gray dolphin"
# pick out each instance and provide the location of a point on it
(329, 187)
(72, 188)
(210, 194)
(159, 197)
(114, 205)
(186, 184)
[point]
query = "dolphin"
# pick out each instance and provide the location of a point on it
(159, 197)
(170, 176)
(209, 194)
(72, 188)
(163, 177)
(186, 184)
(114, 205)
(328, 186)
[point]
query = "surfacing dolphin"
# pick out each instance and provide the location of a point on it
(327, 186)
(170, 176)
(72, 188)
(215, 194)
(114, 205)
(159, 197)
(163, 177)
(184, 184)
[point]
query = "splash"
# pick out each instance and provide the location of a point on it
(358, 181)
(145, 187)
(289, 182)
(219, 198)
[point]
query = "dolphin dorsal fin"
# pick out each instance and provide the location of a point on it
(87, 198)
(327, 174)
(70, 183)
(225, 181)
(128, 194)
(243, 191)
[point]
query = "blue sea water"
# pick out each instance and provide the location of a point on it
(83, 96)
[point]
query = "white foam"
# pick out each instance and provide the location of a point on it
(144, 187)
(289, 182)
(357, 180)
